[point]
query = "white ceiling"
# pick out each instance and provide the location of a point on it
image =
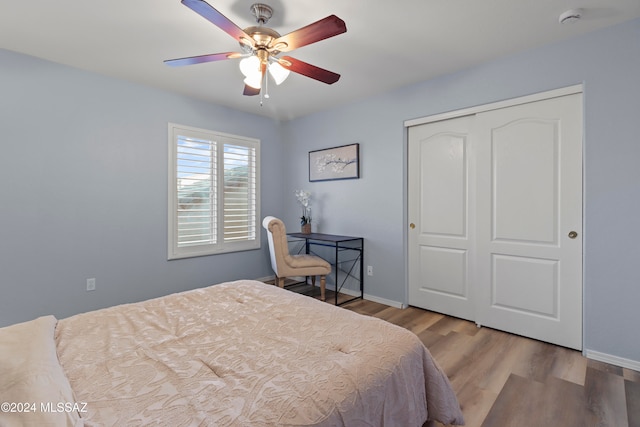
(388, 44)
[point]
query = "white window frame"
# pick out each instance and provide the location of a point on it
(176, 251)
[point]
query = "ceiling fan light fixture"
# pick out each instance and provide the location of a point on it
(255, 81)
(250, 66)
(278, 72)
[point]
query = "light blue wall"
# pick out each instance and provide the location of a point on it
(83, 167)
(607, 62)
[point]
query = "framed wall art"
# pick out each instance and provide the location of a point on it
(335, 163)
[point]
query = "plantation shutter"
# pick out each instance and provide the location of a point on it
(239, 193)
(213, 193)
(196, 184)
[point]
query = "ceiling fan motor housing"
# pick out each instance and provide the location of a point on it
(262, 12)
(262, 35)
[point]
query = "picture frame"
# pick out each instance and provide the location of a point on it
(329, 164)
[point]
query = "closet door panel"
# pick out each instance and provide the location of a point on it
(440, 210)
(529, 186)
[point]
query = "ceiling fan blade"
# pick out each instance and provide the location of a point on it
(319, 30)
(250, 91)
(202, 59)
(308, 70)
(207, 11)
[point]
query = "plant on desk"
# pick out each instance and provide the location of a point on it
(304, 198)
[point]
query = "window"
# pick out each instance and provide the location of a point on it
(214, 192)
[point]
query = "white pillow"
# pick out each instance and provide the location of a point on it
(32, 382)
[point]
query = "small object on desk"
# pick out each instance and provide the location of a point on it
(304, 198)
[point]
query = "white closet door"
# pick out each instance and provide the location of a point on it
(529, 219)
(441, 215)
(495, 210)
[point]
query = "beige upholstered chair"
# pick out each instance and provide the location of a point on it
(286, 265)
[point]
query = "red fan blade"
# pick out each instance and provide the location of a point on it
(319, 30)
(207, 11)
(202, 58)
(250, 91)
(309, 70)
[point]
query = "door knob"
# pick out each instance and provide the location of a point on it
(573, 234)
(412, 226)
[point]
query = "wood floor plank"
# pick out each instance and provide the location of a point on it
(632, 393)
(604, 367)
(475, 366)
(564, 404)
(445, 325)
(430, 339)
(411, 320)
(606, 397)
(537, 360)
(529, 403)
(466, 327)
(449, 350)
(475, 404)
(569, 365)
(501, 369)
(631, 375)
(365, 307)
(518, 404)
(387, 313)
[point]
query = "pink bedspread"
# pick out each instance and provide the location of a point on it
(249, 354)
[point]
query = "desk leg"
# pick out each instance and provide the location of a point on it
(306, 279)
(337, 268)
(362, 271)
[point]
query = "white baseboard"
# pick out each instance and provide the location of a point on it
(613, 360)
(384, 301)
(351, 292)
(369, 297)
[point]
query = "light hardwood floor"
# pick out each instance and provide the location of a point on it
(504, 380)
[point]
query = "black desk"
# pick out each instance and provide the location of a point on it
(340, 244)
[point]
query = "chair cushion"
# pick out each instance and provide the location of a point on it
(303, 265)
(309, 262)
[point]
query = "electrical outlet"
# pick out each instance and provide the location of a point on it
(369, 270)
(91, 284)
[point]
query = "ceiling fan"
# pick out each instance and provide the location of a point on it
(261, 46)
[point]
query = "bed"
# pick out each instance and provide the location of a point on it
(240, 353)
